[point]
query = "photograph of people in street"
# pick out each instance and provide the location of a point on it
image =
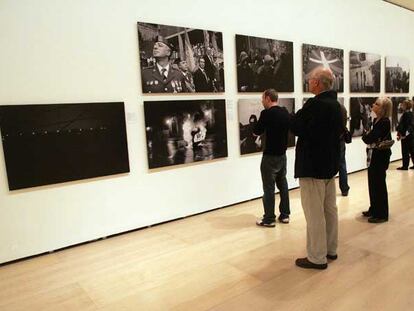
(180, 60)
(397, 75)
(185, 131)
(361, 117)
(364, 72)
(264, 64)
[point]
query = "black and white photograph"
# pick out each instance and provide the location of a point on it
(315, 56)
(361, 117)
(185, 131)
(177, 59)
(264, 64)
(396, 111)
(54, 143)
(364, 72)
(249, 112)
(397, 75)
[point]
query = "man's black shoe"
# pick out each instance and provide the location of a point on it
(366, 214)
(402, 168)
(345, 194)
(332, 257)
(375, 220)
(306, 264)
(412, 167)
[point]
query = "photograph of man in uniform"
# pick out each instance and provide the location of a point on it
(170, 56)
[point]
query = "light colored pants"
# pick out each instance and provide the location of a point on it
(318, 198)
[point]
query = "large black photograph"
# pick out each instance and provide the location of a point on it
(361, 117)
(315, 56)
(185, 131)
(397, 75)
(48, 144)
(249, 112)
(180, 60)
(364, 72)
(264, 64)
(396, 111)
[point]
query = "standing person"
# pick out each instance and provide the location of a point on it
(188, 77)
(274, 122)
(202, 81)
(343, 174)
(405, 133)
(162, 77)
(378, 161)
(318, 126)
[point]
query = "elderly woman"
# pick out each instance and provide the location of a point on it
(378, 161)
(405, 133)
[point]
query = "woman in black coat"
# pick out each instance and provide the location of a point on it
(378, 161)
(405, 133)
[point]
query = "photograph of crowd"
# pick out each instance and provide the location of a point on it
(396, 111)
(364, 72)
(54, 143)
(315, 56)
(185, 131)
(264, 64)
(180, 60)
(397, 75)
(361, 117)
(249, 112)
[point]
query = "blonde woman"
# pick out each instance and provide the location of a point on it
(378, 161)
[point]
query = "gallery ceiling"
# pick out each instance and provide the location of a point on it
(408, 4)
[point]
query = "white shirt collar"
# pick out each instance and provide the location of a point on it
(160, 68)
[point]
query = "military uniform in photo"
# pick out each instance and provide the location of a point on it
(153, 81)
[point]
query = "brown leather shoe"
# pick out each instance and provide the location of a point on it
(306, 264)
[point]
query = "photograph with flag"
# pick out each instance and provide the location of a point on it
(175, 59)
(314, 56)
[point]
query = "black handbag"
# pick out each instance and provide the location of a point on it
(347, 136)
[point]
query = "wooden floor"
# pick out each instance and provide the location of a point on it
(222, 261)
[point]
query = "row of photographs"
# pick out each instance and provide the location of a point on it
(54, 143)
(177, 59)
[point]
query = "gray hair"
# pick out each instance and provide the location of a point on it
(324, 76)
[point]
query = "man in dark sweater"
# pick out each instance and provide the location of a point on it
(318, 126)
(274, 123)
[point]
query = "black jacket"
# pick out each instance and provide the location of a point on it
(318, 126)
(406, 124)
(381, 130)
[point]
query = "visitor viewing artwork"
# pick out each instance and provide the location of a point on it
(396, 111)
(185, 131)
(176, 59)
(249, 112)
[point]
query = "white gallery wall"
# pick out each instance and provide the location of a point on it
(79, 51)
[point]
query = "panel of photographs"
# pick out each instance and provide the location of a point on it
(47, 144)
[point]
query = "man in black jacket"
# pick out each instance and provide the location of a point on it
(318, 126)
(274, 123)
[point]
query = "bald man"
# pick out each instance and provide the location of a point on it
(318, 126)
